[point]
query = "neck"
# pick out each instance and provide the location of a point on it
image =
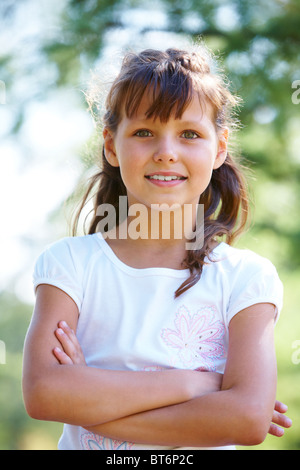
(159, 223)
(161, 238)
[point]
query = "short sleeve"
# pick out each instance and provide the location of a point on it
(257, 283)
(56, 266)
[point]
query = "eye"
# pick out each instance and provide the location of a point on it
(190, 135)
(143, 133)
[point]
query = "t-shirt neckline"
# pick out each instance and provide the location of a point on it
(178, 273)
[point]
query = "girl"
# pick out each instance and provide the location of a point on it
(174, 347)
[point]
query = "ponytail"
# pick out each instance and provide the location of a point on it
(226, 209)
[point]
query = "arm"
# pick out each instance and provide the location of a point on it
(238, 414)
(119, 429)
(86, 396)
(146, 427)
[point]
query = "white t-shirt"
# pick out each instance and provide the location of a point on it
(130, 320)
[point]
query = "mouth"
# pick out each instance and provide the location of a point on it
(165, 177)
(166, 180)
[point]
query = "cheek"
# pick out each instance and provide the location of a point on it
(131, 171)
(132, 160)
(207, 152)
(201, 168)
(202, 162)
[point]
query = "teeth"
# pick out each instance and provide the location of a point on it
(164, 178)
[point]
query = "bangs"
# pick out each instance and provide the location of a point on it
(170, 80)
(170, 90)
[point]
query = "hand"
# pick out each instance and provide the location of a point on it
(208, 382)
(71, 352)
(279, 420)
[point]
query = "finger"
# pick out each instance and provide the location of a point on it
(69, 332)
(70, 343)
(281, 420)
(276, 430)
(66, 343)
(61, 356)
(281, 407)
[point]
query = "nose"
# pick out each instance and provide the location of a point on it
(165, 151)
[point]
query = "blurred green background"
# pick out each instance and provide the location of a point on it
(48, 48)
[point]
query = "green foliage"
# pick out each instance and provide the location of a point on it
(17, 430)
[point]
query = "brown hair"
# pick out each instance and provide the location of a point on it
(173, 77)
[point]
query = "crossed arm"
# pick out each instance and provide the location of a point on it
(172, 407)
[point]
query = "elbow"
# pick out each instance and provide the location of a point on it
(32, 409)
(252, 436)
(31, 402)
(254, 428)
(35, 399)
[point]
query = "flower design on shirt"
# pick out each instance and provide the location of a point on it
(91, 441)
(153, 368)
(197, 338)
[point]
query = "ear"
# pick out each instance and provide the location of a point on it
(222, 148)
(109, 147)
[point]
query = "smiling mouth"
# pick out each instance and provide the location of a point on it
(165, 178)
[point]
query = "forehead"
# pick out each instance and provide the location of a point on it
(196, 109)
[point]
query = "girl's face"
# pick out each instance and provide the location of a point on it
(166, 162)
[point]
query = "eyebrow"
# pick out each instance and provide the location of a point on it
(197, 123)
(187, 124)
(191, 123)
(200, 125)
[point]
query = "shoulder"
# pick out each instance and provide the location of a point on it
(249, 278)
(238, 260)
(74, 247)
(64, 264)
(72, 253)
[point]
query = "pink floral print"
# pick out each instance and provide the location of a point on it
(91, 441)
(197, 341)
